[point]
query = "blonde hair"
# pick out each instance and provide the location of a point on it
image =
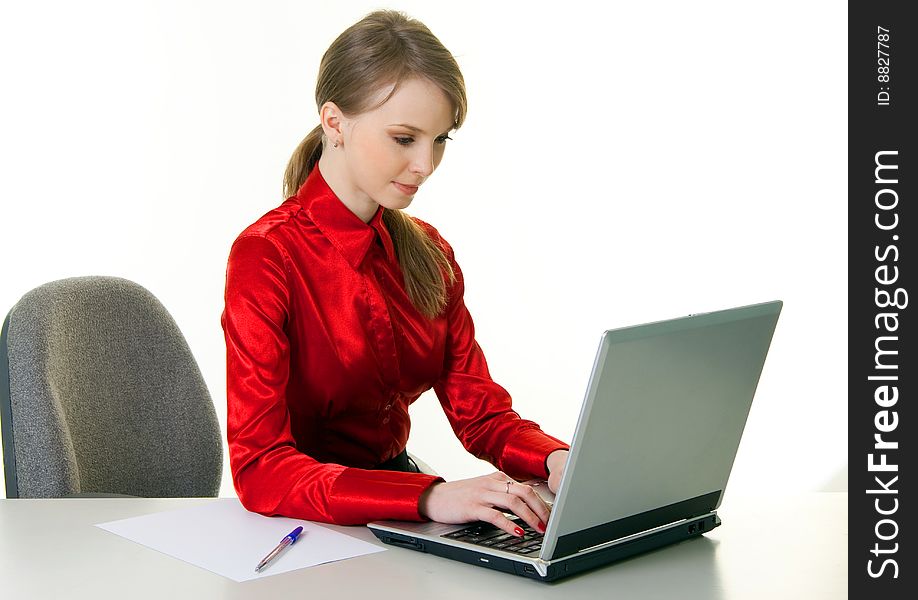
(387, 47)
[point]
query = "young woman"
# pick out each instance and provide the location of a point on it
(341, 310)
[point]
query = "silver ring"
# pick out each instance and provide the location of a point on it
(509, 482)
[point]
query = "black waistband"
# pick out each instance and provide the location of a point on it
(399, 462)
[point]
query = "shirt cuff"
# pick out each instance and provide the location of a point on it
(525, 453)
(359, 496)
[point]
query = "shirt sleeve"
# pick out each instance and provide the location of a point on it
(271, 475)
(478, 409)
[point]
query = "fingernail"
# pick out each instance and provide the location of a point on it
(519, 531)
(541, 526)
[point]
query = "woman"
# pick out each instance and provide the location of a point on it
(341, 310)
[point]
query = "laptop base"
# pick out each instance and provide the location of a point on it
(556, 569)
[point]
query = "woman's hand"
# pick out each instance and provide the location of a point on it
(485, 498)
(555, 463)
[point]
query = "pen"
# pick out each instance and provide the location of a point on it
(288, 540)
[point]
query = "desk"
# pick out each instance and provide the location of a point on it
(792, 546)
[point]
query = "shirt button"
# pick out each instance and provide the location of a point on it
(386, 420)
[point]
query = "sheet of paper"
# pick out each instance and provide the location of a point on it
(223, 537)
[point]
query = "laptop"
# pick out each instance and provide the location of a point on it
(657, 435)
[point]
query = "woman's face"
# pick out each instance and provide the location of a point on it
(391, 150)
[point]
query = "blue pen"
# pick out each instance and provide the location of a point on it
(289, 540)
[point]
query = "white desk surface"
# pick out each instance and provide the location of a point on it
(793, 546)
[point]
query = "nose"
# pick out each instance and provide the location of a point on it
(422, 163)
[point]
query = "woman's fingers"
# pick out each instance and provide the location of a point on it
(497, 518)
(529, 495)
(534, 501)
(521, 500)
(484, 498)
(517, 506)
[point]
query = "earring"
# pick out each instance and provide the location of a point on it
(336, 143)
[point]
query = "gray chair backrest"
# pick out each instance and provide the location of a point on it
(103, 396)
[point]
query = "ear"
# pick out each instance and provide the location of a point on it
(332, 120)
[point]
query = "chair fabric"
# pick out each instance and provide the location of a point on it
(104, 397)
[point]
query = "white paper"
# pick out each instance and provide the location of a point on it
(223, 537)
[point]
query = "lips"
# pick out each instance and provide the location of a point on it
(408, 190)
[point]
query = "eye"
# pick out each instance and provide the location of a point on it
(407, 141)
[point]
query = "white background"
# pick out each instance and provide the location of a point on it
(621, 163)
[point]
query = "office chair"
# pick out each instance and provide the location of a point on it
(100, 395)
(421, 466)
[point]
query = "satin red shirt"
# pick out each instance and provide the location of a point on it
(325, 352)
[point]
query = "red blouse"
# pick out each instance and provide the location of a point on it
(325, 352)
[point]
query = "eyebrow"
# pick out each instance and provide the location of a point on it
(413, 128)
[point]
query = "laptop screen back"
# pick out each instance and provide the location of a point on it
(661, 423)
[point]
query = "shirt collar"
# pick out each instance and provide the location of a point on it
(351, 236)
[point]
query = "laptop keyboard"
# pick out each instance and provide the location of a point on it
(489, 536)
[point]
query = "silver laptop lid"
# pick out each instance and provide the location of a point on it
(660, 425)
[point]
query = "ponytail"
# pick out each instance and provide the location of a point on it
(305, 157)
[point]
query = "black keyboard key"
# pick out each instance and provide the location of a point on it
(490, 536)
